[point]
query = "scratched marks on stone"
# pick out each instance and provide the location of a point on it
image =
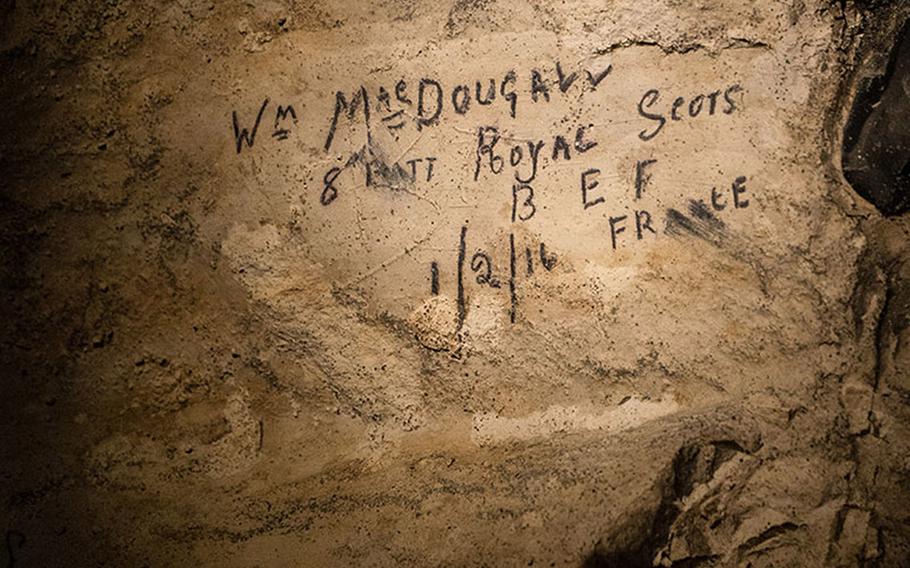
(504, 173)
(483, 269)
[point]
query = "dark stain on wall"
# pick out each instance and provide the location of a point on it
(876, 154)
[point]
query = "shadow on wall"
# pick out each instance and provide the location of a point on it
(618, 560)
(646, 536)
(876, 153)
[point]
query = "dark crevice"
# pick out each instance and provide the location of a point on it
(876, 149)
(692, 465)
(881, 337)
(768, 534)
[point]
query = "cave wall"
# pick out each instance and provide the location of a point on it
(459, 283)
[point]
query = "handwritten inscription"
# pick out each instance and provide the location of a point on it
(682, 108)
(285, 119)
(482, 266)
(515, 165)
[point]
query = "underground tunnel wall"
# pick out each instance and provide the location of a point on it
(471, 283)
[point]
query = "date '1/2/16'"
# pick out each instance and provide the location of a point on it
(482, 268)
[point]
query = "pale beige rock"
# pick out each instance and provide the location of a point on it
(213, 360)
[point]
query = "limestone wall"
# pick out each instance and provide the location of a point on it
(478, 282)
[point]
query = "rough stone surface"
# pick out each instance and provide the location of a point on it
(876, 143)
(214, 357)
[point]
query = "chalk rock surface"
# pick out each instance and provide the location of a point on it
(460, 283)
